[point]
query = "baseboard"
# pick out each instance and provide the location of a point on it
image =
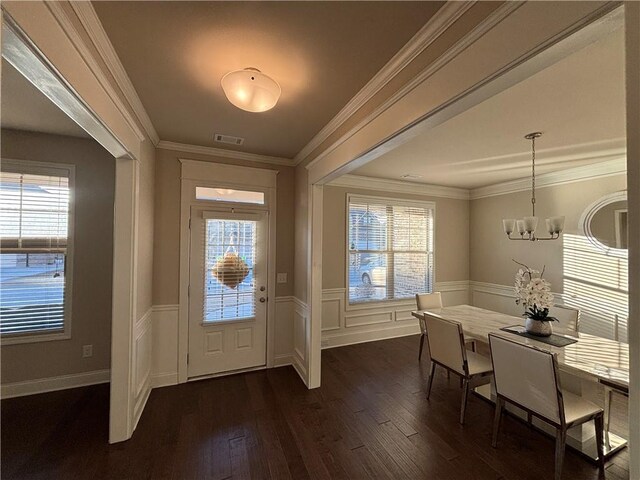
(164, 379)
(52, 384)
(344, 339)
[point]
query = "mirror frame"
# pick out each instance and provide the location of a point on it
(585, 222)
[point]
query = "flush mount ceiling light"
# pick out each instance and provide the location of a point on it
(527, 226)
(251, 90)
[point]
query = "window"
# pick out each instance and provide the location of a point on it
(229, 195)
(390, 248)
(35, 252)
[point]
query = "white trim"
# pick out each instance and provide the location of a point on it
(164, 380)
(223, 153)
(20, 51)
(78, 42)
(609, 168)
(94, 29)
(438, 24)
(344, 339)
(51, 384)
(398, 186)
(584, 224)
(480, 30)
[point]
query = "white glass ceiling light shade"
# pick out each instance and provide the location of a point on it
(251, 90)
(526, 227)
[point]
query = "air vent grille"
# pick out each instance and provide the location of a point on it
(230, 139)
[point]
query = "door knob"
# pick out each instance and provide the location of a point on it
(262, 299)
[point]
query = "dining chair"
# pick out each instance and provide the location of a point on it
(568, 320)
(426, 301)
(447, 349)
(528, 377)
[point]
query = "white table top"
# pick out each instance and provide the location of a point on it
(591, 356)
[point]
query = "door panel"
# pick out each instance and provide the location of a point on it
(227, 303)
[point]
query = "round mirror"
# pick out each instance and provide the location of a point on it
(605, 222)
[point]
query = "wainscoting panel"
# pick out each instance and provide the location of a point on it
(164, 370)
(344, 325)
(142, 361)
(283, 341)
(300, 336)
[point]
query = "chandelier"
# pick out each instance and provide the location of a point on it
(526, 227)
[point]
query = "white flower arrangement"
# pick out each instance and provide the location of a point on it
(534, 293)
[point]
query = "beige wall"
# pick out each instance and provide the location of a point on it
(92, 265)
(166, 245)
(301, 214)
(451, 245)
(491, 251)
(144, 297)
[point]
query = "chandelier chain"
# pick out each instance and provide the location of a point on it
(533, 175)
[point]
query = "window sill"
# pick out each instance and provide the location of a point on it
(34, 338)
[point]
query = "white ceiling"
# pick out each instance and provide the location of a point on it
(578, 104)
(24, 107)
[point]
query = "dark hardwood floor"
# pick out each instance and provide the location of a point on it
(370, 419)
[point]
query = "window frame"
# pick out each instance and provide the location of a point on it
(60, 170)
(367, 304)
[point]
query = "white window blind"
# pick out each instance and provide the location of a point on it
(390, 249)
(34, 224)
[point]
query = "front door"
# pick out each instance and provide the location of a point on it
(228, 291)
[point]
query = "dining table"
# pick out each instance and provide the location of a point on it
(589, 361)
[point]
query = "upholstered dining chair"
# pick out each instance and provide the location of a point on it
(447, 349)
(568, 320)
(528, 377)
(426, 301)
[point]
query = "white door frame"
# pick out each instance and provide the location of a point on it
(210, 174)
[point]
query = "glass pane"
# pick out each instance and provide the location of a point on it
(367, 227)
(411, 274)
(367, 276)
(229, 195)
(229, 286)
(32, 286)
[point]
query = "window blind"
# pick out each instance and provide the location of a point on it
(34, 223)
(390, 248)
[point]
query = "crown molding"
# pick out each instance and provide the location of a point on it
(478, 32)
(443, 19)
(220, 152)
(94, 29)
(60, 14)
(608, 168)
(398, 186)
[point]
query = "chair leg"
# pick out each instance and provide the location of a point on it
(599, 424)
(465, 394)
(496, 422)
(421, 346)
(561, 440)
(608, 397)
(432, 371)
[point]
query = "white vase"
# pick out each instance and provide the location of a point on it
(540, 328)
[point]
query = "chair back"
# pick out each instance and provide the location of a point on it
(568, 319)
(446, 343)
(527, 376)
(426, 301)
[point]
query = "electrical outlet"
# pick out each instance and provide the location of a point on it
(282, 278)
(87, 351)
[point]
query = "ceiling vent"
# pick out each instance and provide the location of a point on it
(231, 140)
